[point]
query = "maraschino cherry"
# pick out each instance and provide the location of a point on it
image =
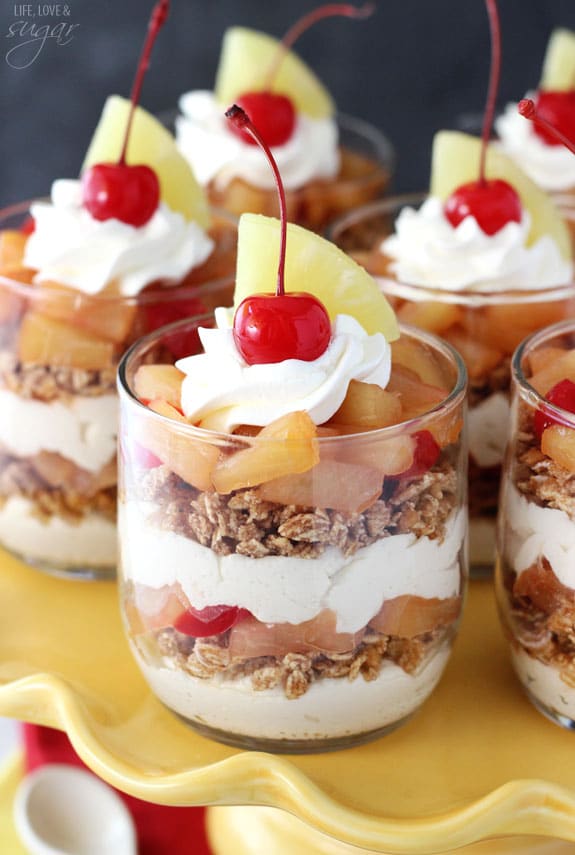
(494, 202)
(121, 191)
(528, 110)
(272, 113)
(271, 327)
(557, 108)
(561, 395)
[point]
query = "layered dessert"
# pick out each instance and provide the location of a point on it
(539, 154)
(292, 522)
(329, 164)
(536, 578)
(107, 258)
(482, 286)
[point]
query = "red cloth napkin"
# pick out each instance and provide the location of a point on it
(161, 830)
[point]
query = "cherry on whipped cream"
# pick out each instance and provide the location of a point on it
(121, 191)
(272, 327)
(272, 113)
(493, 203)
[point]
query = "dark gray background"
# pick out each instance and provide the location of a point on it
(414, 67)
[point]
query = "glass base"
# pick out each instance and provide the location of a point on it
(554, 716)
(291, 746)
(82, 572)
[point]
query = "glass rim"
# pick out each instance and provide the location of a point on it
(419, 292)
(453, 399)
(377, 138)
(527, 391)
(171, 293)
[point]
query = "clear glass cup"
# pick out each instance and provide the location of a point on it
(535, 579)
(485, 328)
(301, 612)
(367, 167)
(59, 351)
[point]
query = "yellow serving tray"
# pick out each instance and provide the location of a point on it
(476, 762)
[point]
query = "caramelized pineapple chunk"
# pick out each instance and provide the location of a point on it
(558, 443)
(504, 327)
(416, 397)
(12, 303)
(544, 357)
(479, 358)
(12, 245)
(286, 446)
(368, 405)
(159, 382)
(560, 368)
(45, 341)
(388, 456)
(421, 359)
(107, 317)
(410, 615)
(430, 315)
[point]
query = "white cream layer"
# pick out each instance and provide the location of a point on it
(220, 384)
(92, 542)
(214, 152)
(552, 167)
(70, 247)
(545, 683)
(282, 589)
(488, 428)
(532, 532)
(330, 708)
(427, 251)
(84, 430)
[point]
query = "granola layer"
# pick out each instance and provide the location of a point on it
(49, 382)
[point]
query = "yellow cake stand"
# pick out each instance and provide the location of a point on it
(476, 763)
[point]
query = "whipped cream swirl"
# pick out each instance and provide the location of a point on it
(219, 383)
(70, 247)
(427, 251)
(215, 153)
(552, 167)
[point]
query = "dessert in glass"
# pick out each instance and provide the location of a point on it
(538, 152)
(292, 517)
(82, 275)
(536, 531)
(329, 163)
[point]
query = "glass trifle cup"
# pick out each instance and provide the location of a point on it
(294, 613)
(59, 350)
(484, 326)
(536, 529)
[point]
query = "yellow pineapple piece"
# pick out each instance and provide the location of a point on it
(388, 456)
(313, 264)
(544, 357)
(151, 144)
(416, 396)
(12, 245)
(192, 460)
(558, 443)
(48, 342)
(368, 405)
(430, 315)
(479, 358)
(503, 327)
(246, 59)
(455, 161)
(12, 303)
(106, 317)
(562, 368)
(286, 446)
(163, 382)
(559, 63)
(421, 359)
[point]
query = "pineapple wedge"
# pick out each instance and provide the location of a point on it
(313, 264)
(559, 64)
(246, 58)
(455, 161)
(152, 144)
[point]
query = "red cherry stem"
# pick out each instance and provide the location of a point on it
(330, 10)
(157, 21)
(494, 75)
(527, 109)
(241, 120)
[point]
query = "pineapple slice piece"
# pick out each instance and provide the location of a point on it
(345, 487)
(558, 443)
(12, 245)
(153, 382)
(288, 446)
(313, 264)
(455, 161)
(368, 406)
(562, 368)
(559, 64)
(410, 615)
(192, 460)
(109, 318)
(152, 144)
(246, 59)
(43, 340)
